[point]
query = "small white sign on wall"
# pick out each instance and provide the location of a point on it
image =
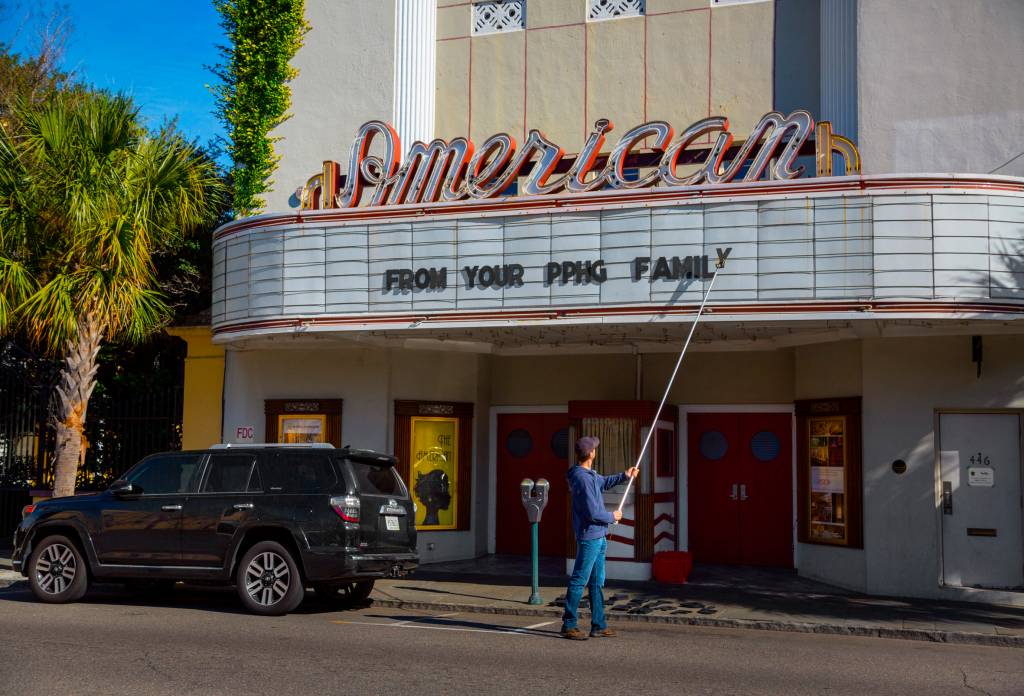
(981, 476)
(245, 433)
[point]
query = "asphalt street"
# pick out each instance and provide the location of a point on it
(199, 641)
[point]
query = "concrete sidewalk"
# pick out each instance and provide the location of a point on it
(723, 597)
(715, 596)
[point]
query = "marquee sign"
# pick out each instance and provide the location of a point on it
(456, 169)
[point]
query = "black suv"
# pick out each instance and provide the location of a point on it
(272, 520)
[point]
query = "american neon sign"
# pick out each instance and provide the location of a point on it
(457, 169)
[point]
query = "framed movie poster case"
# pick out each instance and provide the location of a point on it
(434, 445)
(829, 472)
(301, 429)
(434, 471)
(303, 420)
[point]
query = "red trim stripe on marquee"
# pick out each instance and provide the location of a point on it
(578, 201)
(376, 320)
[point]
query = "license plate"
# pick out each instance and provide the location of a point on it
(392, 523)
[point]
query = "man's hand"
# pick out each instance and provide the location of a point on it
(633, 471)
(617, 515)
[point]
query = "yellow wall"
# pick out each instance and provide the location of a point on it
(204, 382)
(680, 62)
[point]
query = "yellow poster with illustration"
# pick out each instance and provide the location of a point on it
(434, 472)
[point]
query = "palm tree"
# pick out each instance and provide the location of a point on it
(87, 197)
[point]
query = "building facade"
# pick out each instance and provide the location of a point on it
(851, 403)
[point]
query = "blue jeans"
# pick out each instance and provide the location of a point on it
(588, 572)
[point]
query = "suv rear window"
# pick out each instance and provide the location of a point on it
(377, 480)
(298, 472)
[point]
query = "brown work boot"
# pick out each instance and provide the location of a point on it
(573, 634)
(606, 633)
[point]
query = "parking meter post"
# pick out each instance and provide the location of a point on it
(535, 594)
(535, 498)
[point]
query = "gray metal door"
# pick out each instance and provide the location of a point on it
(980, 470)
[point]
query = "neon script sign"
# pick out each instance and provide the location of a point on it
(456, 169)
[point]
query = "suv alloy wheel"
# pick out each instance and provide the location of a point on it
(268, 580)
(57, 572)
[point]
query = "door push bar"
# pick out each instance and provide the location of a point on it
(742, 491)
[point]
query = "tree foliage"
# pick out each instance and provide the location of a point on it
(254, 97)
(88, 199)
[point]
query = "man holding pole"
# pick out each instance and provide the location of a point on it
(590, 522)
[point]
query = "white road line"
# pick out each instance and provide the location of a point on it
(425, 618)
(404, 624)
(540, 625)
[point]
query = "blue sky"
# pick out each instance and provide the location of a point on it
(155, 50)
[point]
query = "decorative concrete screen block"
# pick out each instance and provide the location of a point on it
(499, 16)
(610, 9)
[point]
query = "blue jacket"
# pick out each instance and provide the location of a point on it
(590, 520)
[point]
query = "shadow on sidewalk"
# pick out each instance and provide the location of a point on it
(766, 594)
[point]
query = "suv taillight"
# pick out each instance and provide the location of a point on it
(27, 510)
(347, 508)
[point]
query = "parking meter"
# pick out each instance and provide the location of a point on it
(535, 499)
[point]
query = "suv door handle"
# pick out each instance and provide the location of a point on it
(732, 496)
(170, 508)
(743, 491)
(243, 506)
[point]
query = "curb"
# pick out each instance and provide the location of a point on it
(931, 636)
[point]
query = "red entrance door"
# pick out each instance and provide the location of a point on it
(740, 488)
(534, 446)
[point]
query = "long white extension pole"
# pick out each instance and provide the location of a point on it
(671, 380)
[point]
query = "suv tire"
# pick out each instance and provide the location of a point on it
(344, 593)
(268, 580)
(57, 572)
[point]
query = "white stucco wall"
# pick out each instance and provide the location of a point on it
(905, 381)
(828, 371)
(346, 77)
(940, 85)
(369, 380)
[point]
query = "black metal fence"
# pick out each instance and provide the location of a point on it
(135, 410)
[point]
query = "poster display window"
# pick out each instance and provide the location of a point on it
(434, 471)
(827, 449)
(301, 429)
(829, 489)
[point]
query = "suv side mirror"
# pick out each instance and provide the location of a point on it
(122, 488)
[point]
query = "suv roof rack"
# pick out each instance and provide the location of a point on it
(263, 445)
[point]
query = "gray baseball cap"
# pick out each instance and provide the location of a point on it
(585, 445)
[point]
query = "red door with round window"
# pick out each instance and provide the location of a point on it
(740, 488)
(533, 446)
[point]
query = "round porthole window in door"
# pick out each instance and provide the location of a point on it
(764, 446)
(560, 444)
(519, 443)
(713, 445)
